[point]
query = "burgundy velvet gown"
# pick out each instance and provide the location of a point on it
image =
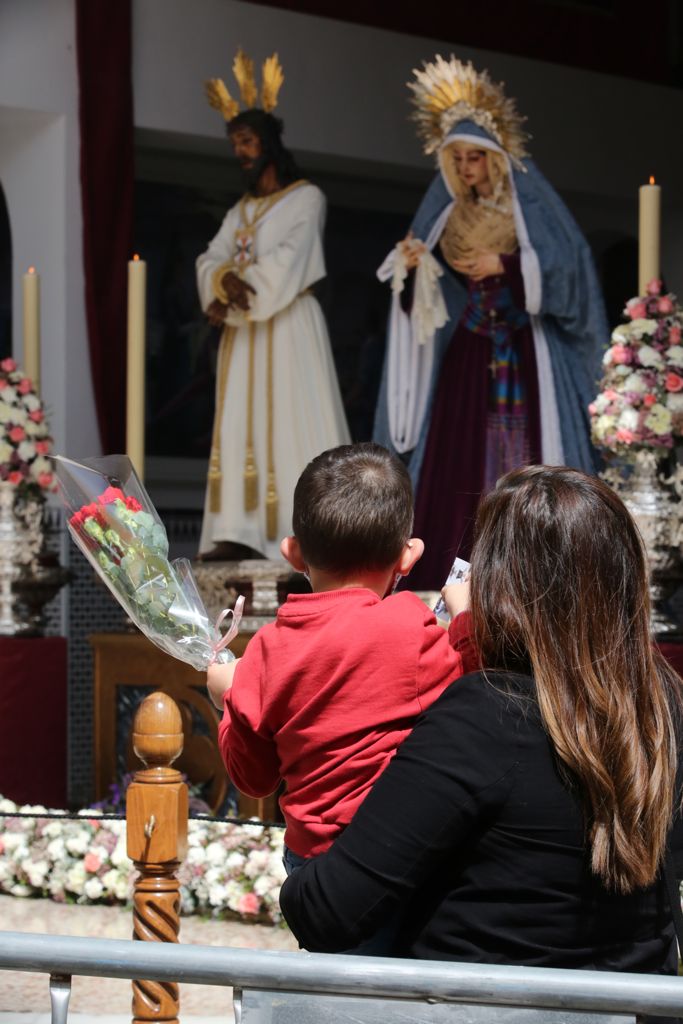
(484, 420)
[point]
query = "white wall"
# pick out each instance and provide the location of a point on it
(39, 173)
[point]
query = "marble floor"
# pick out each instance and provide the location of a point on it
(24, 997)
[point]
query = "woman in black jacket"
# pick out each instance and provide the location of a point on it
(525, 820)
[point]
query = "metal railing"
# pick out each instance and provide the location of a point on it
(427, 983)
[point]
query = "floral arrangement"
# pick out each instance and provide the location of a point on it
(115, 525)
(640, 404)
(230, 870)
(25, 440)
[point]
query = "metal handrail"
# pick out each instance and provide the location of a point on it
(424, 980)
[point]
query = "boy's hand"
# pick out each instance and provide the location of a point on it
(219, 680)
(456, 598)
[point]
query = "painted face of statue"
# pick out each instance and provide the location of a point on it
(248, 148)
(472, 167)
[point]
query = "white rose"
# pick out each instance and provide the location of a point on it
(649, 356)
(12, 840)
(5, 451)
(674, 402)
(641, 327)
(75, 878)
(32, 402)
(235, 861)
(601, 403)
(41, 465)
(36, 871)
(622, 334)
(9, 395)
(93, 888)
(215, 853)
(675, 355)
(603, 426)
(5, 412)
(119, 855)
(78, 844)
(56, 848)
(628, 419)
(634, 382)
(26, 450)
(19, 416)
(196, 855)
(659, 419)
(217, 895)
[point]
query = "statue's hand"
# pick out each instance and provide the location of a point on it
(480, 265)
(413, 249)
(216, 313)
(237, 290)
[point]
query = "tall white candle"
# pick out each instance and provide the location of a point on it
(650, 201)
(135, 378)
(31, 297)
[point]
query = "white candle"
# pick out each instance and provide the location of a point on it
(31, 296)
(648, 234)
(135, 380)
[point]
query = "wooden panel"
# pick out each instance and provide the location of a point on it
(130, 660)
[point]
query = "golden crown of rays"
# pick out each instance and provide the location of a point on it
(272, 78)
(448, 91)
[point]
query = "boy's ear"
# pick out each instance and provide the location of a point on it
(291, 552)
(412, 553)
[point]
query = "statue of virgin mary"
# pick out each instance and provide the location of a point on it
(497, 322)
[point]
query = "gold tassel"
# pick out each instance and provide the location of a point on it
(250, 481)
(271, 490)
(215, 476)
(215, 479)
(272, 506)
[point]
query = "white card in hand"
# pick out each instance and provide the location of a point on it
(460, 571)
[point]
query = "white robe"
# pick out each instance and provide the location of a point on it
(308, 416)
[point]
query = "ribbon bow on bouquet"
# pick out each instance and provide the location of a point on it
(115, 525)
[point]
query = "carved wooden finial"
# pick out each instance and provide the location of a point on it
(158, 731)
(156, 815)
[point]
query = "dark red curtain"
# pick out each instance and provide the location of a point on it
(103, 40)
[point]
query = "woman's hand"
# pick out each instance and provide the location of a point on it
(456, 597)
(480, 265)
(413, 250)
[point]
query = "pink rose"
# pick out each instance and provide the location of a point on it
(249, 903)
(17, 434)
(636, 309)
(3, 383)
(611, 395)
(42, 447)
(625, 435)
(92, 863)
(8, 365)
(111, 495)
(15, 477)
(674, 334)
(649, 400)
(591, 409)
(654, 287)
(45, 480)
(621, 354)
(673, 382)
(24, 386)
(665, 305)
(37, 416)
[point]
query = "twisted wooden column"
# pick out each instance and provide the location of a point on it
(156, 815)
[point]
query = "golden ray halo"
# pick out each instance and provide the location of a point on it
(448, 91)
(272, 78)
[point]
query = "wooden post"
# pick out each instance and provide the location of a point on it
(156, 815)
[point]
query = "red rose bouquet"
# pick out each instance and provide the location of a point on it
(115, 525)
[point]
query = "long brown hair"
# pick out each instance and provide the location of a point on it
(559, 589)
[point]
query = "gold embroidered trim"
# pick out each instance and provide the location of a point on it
(250, 468)
(271, 490)
(215, 477)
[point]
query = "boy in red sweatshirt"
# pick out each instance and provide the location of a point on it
(323, 697)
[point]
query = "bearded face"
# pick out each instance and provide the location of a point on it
(248, 149)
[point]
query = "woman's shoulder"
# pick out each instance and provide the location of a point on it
(493, 694)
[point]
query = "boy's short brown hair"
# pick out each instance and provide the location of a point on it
(353, 509)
